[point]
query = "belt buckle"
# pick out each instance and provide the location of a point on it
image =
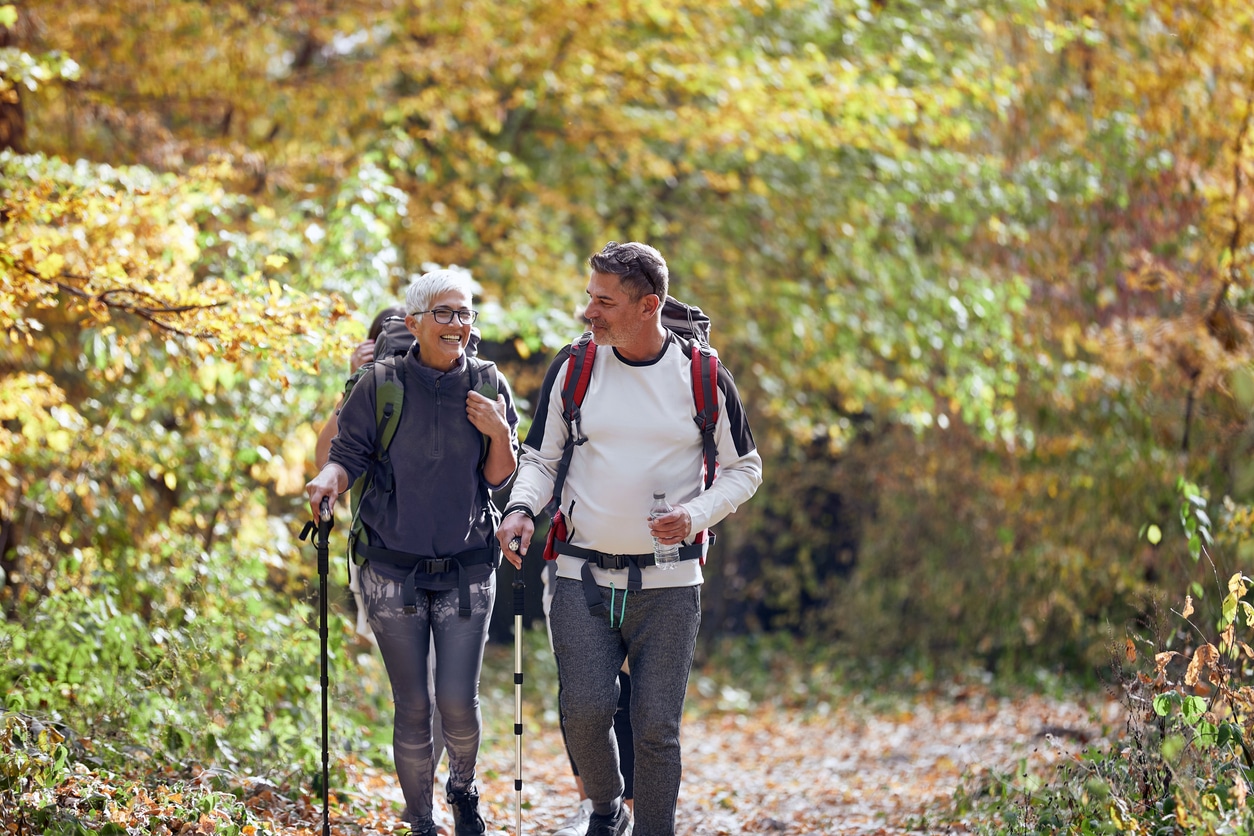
(439, 565)
(612, 561)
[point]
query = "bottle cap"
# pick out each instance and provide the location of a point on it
(659, 494)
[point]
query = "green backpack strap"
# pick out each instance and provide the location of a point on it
(389, 385)
(483, 381)
(389, 378)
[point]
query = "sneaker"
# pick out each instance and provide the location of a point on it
(466, 818)
(576, 825)
(616, 824)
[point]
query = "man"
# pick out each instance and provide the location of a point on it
(641, 437)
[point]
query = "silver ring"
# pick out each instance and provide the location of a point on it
(515, 543)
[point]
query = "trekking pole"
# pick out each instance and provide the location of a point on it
(324, 568)
(322, 545)
(518, 680)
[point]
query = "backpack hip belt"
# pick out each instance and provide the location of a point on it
(425, 564)
(631, 562)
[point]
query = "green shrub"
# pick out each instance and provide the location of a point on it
(215, 664)
(1184, 765)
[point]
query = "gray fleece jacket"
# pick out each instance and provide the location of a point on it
(440, 504)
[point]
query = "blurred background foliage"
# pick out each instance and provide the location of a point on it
(982, 269)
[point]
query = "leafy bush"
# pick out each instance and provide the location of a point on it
(1185, 764)
(219, 664)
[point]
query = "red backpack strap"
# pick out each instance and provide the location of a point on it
(574, 388)
(578, 373)
(705, 396)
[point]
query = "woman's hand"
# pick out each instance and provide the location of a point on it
(488, 416)
(330, 482)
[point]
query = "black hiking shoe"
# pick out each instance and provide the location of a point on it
(615, 824)
(430, 830)
(466, 818)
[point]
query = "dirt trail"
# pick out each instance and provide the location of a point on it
(852, 770)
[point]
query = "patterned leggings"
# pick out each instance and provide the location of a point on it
(405, 641)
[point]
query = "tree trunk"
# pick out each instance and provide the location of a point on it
(12, 118)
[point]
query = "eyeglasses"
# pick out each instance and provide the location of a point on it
(444, 316)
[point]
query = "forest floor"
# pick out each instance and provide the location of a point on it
(864, 765)
(812, 759)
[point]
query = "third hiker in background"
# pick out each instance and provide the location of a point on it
(650, 411)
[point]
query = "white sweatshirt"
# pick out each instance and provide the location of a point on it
(642, 437)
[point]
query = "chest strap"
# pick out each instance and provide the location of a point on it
(424, 565)
(633, 563)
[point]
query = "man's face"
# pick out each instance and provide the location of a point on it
(441, 346)
(614, 317)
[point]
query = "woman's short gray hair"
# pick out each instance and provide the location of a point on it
(436, 283)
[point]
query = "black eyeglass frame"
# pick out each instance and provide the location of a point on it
(444, 316)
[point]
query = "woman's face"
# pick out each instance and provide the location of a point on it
(441, 346)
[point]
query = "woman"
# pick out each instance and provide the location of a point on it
(428, 536)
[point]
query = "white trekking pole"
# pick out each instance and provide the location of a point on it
(518, 681)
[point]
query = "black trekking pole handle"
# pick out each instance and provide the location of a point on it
(519, 601)
(325, 522)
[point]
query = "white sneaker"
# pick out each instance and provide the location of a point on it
(576, 825)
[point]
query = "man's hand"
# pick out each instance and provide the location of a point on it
(671, 528)
(514, 535)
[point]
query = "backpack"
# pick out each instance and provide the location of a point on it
(692, 326)
(393, 343)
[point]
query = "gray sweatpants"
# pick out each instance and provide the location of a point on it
(658, 636)
(405, 641)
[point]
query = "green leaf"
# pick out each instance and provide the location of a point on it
(1193, 708)
(8, 16)
(1229, 611)
(1164, 702)
(1154, 534)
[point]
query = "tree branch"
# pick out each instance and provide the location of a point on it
(127, 300)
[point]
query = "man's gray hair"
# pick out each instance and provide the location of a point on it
(435, 283)
(639, 267)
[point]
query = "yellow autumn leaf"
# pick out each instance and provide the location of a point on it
(276, 261)
(59, 441)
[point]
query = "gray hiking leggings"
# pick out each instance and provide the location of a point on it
(405, 642)
(658, 635)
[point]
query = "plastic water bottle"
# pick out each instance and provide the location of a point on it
(664, 556)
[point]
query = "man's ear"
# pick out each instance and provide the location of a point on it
(651, 304)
